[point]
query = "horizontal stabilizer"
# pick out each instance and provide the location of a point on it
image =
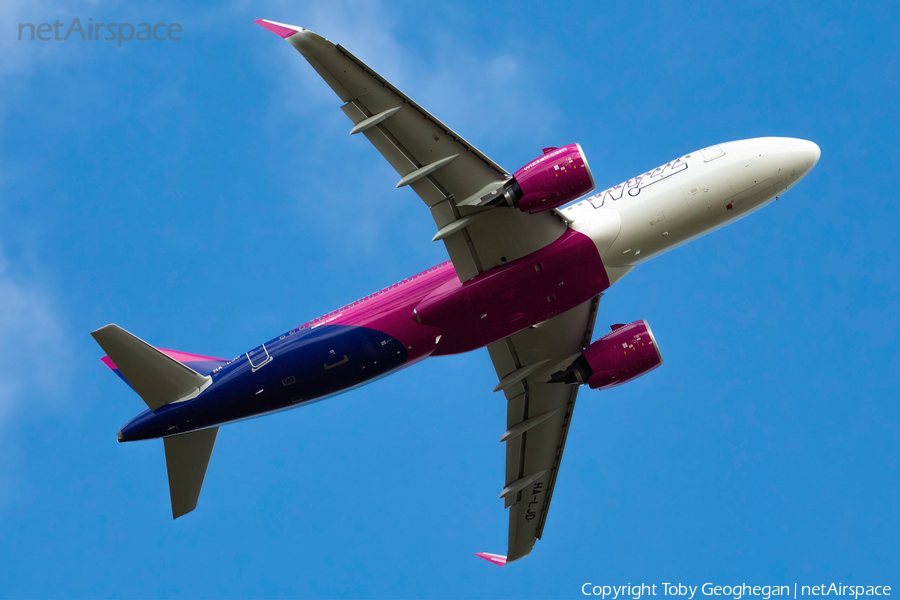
(187, 457)
(497, 559)
(157, 378)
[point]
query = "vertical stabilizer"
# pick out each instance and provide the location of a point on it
(187, 457)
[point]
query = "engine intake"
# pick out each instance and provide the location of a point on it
(559, 176)
(626, 353)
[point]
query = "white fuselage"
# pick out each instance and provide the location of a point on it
(688, 197)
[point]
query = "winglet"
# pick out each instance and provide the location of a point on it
(492, 558)
(279, 29)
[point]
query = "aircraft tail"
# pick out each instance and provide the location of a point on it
(158, 376)
(161, 377)
(187, 457)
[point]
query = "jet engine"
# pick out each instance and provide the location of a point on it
(559, 176)
(624, 354)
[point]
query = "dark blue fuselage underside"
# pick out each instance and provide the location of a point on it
(303, 367)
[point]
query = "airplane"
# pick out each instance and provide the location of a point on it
(530, 255)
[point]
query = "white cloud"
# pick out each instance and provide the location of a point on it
(19, 56)
(31, 339)
(31, 336)
(26, 58)
(456, 79)
(484, 96)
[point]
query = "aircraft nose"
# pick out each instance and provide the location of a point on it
(810, 151)
(798, 157)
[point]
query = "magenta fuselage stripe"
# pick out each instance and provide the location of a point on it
(510, 298)
(485, 309)
(390, 311)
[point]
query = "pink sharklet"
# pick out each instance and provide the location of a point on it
(278, 30)
(496, 559)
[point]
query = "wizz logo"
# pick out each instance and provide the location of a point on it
(634, 186)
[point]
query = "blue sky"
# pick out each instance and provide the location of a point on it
(205, 195)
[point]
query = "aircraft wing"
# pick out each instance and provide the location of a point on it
(438, 164)
(538, 416)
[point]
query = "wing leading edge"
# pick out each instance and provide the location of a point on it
(436, 162)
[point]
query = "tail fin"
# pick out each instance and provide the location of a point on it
(204, 365)
(187, 457)
(157, 378)
(161, 377)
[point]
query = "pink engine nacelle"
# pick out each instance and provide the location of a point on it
(559, 176)
(624, 354)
